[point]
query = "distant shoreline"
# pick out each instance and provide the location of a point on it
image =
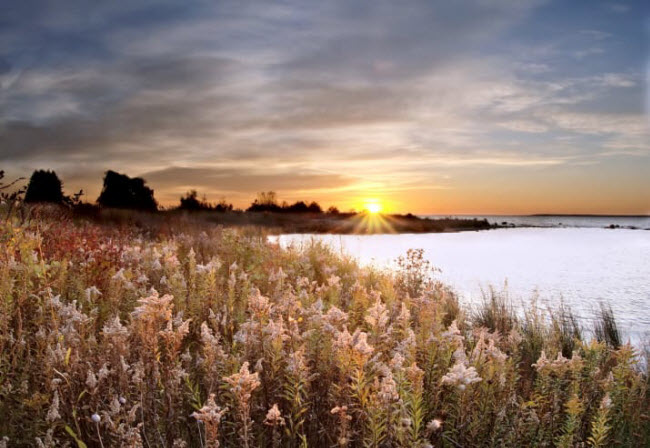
(538, 215)
(340, 223)
(330, 223)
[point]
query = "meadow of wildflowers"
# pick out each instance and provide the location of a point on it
(211, 337)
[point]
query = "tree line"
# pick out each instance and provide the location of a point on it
(124, 192)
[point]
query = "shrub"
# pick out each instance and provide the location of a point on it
(121, 191)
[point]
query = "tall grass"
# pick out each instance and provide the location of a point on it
(605, 328)
(191, 336)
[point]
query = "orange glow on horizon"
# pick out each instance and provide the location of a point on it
(373, 207)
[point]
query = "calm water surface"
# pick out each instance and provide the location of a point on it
(581, 266)
(638, 222)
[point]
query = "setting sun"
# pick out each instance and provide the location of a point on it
(373, 207)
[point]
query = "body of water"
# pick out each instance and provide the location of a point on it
(582, 266)
(637, 222)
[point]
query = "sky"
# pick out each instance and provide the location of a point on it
(463, 107)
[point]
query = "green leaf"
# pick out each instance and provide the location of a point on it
(80, 443)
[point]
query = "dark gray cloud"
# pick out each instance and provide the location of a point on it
(233, 180)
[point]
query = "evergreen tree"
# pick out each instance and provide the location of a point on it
(44, 186)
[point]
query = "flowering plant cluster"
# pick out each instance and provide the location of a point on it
(217, 338)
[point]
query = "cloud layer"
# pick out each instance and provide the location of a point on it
(468, 106)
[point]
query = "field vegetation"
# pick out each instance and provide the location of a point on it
(187, 334)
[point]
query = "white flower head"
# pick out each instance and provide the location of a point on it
(461, 376)
(434, 425)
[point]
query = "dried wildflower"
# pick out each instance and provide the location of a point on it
(343, 339)
(103, 373)
(377, 315)
(339, 410)
(541, 362)
(212, 349)
(92, 292)
(461, 376)
(274, 417)
(486, 345)
(142, 279)
(453, 334)
(495, 353)
(258, 304)
(360, 344)
(397, 361)
(404, 315)
(434, 425)
(208, 268)
(335, 317)
(275, 330)
(154, 308)
(606, 402)
(259, 365)
(174, 333)
(53, 412)
(248, 333)
(297, 364)
(115, 406)
(344, 420)
(277, 276)
(156, 266)
(415, 376)
(560, 360)
(388, 389)
(514, 338)
(334, 281)
(91, 379)
(210, 415)
(243, 383)
(407, 345)
(119, 276)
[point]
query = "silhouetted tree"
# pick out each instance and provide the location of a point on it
(266, 201)
(314, 207)
(302, 207)
(268, 198)
(44, 186)
(333, 210)
(191, 202)
(222, 206)
(122, 191)
(297, 207)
